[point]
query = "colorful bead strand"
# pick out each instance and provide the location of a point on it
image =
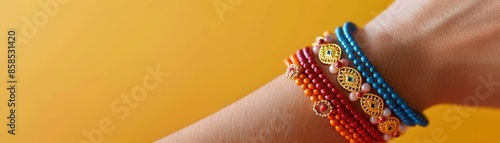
(373, 77)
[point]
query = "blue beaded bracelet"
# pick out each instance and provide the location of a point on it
(375, 79)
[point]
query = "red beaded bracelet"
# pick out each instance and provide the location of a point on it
(350, 124)
(345, 102)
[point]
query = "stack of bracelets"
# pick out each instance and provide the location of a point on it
(376, 97)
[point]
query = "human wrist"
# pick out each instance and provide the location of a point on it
(400, 60)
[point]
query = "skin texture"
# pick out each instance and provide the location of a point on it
(430, 51)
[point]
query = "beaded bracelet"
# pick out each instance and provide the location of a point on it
(350, 80)
(323, 90)
(373, 77)
(344, 102)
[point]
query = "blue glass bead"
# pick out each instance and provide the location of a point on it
(381, 91)
(364, 73)
(369, 65)
(389, 89)
(356, 48)
(369, 80)
(395, 95)
(364, 59)
(348, 51)
(387, 97)
(375, 86)
(385, 85)
(376, 75)
(351, 57)
(392, 106)
(400, 101)
(372, 69)
(361, 68)
(360, 53)
(389, 102)
(356, 62)
(404, 105)
(407, 110)
(380, 81)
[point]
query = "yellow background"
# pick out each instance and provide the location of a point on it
(89, 53)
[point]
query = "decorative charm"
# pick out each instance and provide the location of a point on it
(390, 126)
(329, 53)
(349, 79)
(372, 104)
(322, 108)
(292, 71)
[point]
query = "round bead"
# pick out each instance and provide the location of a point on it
(298, 81)
(387, 112)
(302, 76)
(356, 62)
(332, 69)
(364, 73)
(321, 97)
(322, 108)
(331, 116)
(319, 86)
(324, 91)
(369, 80)
(334, 122)
(313, 66)
(321, 76)
(335, 90)
(376, 75)
(344, 101)
(308, 71)
(381, 91)
(359, 94)
(316, 80)
(340, 95)
(314, 98)
(387, 137)
(353, 96)
(329, 97)
(351, 56)
(373, 120)
(394, 95)
(375, 86)
(389, 102)
(317, 70)
(364, 59)
(326, 81)
(380, 81)
(385, 85)
(303, 86)
(321, 41)
(381, 120)
(335, 102)
(330, 85)
(315, 49)
(344, 62)
(358, 117)
(338, 64)
(307, 80)
(339, 128)
(315, 92)
(365, 87)
(310, 86)
(360, 68)
(400, 101)
(308, 92)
